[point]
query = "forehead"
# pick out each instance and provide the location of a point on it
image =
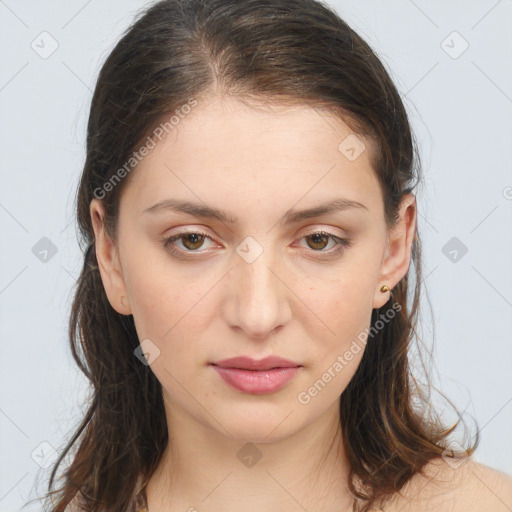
(267, 153)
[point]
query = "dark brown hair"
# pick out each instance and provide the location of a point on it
(261, 52)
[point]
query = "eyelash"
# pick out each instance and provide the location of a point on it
(341, 243)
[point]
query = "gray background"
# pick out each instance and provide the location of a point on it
(460, 106)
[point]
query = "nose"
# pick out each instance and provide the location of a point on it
(259, 297)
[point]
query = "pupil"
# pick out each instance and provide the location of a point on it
(192, 239)
(317, 238)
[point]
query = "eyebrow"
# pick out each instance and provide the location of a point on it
(290, 217)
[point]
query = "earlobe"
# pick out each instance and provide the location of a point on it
(398, 252)
(108, 261)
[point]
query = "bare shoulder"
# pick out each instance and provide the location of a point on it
(466, 487)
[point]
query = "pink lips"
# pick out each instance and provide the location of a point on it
(256, 377)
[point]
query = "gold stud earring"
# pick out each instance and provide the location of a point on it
(385, 288)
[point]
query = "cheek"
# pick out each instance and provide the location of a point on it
(165, 305)
(346, 310)
(345, 303)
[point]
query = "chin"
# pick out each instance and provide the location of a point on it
(257, 424)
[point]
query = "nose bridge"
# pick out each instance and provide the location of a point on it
(259, 294)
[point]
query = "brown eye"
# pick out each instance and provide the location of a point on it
(194, 239)
(319, 241)
(190, 242)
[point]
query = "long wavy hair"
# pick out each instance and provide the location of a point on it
(279, 51)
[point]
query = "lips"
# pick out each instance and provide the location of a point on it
(256, 377)
(247, 363)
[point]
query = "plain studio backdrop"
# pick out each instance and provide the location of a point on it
(451, 64)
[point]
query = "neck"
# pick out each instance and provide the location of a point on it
(206, 469)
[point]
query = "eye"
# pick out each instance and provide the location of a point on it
(318, 240)
(194, 240)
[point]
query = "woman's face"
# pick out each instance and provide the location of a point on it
(260, 283)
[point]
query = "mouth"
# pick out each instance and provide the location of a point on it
(256, 377)
(255, 369)
(248, 363)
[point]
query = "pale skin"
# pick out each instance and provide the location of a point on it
(208, 303)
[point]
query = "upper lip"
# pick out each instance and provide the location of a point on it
(247, 363)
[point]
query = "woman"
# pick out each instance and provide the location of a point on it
(242, 313)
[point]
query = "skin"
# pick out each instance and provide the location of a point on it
(212, 304)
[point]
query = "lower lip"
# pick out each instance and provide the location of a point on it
(257, 382)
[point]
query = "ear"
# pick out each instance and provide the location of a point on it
(108, 261)
(395, 264)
